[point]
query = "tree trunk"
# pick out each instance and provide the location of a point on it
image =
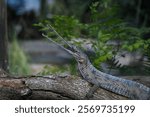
(3, 37)
(43, 9)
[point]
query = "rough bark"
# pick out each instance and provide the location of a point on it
(55, 87)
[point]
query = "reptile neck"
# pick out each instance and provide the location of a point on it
(127, 88)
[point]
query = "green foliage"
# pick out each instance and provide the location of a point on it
(55, 69)
(68, 27)
(52, 70)
(105, 25)
(18, 62)
(130, 37)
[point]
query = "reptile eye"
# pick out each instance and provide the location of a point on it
(81, 60)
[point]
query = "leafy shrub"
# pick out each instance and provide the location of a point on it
(68, 27)
(105, 25)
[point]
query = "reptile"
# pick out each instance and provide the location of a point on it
(124, 87)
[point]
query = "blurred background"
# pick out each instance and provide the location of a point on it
(114, 33)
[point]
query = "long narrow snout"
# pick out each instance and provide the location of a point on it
(68, 47)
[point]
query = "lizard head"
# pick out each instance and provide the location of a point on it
(80, 56)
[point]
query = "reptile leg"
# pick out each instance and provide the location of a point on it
(90, 93)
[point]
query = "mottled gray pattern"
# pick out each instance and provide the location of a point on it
(124, 87)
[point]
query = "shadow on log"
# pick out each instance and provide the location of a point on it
(55, 87)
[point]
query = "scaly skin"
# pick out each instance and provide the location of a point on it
(128, 88)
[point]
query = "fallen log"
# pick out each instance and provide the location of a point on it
(56, 87)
